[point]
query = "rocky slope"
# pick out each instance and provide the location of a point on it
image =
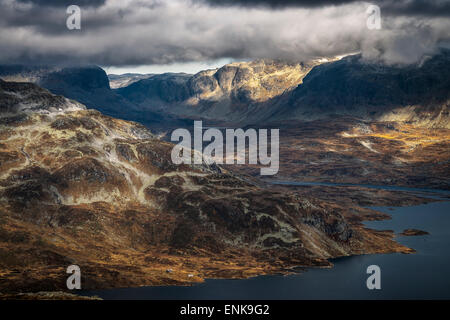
(79, 187)
(417, 94)
(88, 85)
(228, 93)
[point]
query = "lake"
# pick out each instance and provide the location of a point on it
(422, 275)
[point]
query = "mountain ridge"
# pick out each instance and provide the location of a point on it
(88, 85)
(263, 91)
(353, 87)
(227, 92)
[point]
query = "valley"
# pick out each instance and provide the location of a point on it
(362, 152)
(86, 175)
(111, 201)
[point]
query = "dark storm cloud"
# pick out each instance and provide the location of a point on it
(64, 3)
(437, 8)
(400, 7)
(45, 20)
(277, 4)
(138, 32)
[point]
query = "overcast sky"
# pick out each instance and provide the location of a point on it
(189, 35)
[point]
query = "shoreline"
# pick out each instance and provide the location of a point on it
(247, 273)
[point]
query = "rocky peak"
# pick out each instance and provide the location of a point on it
(86, 78)
(253, 81)
(27, 97)
(241, 81)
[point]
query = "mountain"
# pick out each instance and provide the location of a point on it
(224, 94)
(344, 121)
(88, 85)
(265, 90)
(261, 91)
(417, 94)
(123, 80)
(24, 73)
(79, 187)
(162, 89)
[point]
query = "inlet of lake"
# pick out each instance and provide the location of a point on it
(423, 275)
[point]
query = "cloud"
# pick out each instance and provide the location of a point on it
(276, 3)
(431, 8)
(137, 32)
(64, 3)
(398, 7)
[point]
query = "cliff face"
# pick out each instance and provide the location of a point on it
(78, 187)
(227, 93)
(248, 82)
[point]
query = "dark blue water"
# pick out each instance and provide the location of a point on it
(424, 275)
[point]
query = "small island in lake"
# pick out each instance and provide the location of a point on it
(413, 232)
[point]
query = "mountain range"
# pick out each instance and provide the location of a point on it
(260, 91)
(86, 175)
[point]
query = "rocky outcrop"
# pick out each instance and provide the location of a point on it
(25, 98)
